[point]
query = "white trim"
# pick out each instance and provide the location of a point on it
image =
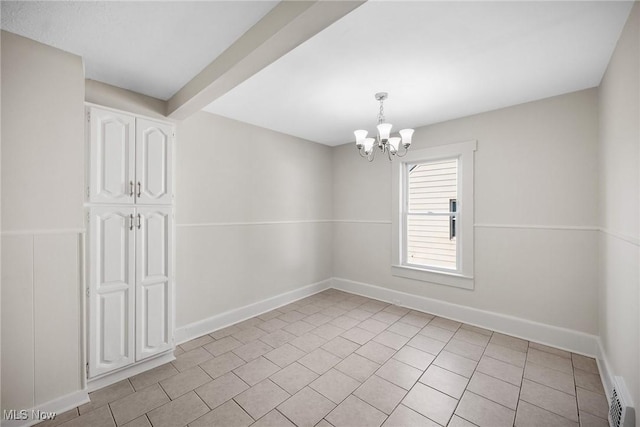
(164, 120)
(606, 374)
(433, 276)
(129, 371)
(363, 221)
(230, 317)
(625, 237)
(59, 405)
(563, 338)
(233, 224)
(539, 227)
(37, 232)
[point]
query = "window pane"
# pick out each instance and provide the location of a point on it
(432, 185)
(429, 243)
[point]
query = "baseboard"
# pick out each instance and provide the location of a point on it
(59, 405)
(606, 374)
(129, 371)
(563, 338)
(222, 320)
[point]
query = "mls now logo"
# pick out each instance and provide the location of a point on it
(23, 414)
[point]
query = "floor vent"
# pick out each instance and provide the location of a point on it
(621, 414)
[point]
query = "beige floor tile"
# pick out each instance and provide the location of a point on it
(149, 377)
(218, 391)
(195, 343)
(404, 329)
(273, 325)
(550, 377)
(427, 344)
(341, 347)
(501, 370)
(270, 315)
(225, 332)
(431, 403)
(254, 321)
(374, 326)
(376, 352)
(483, 412)
(178, 351)
(380, 393)
(327, 331)
(249, 334)
(549, 360)
(588, 420)
(319, 361)
(396, 309)
(494, 389)
(353, 412)
(306, 408)
(476, 329)
(386, 317)
(588, 381)
(309, 309)
(184, 382)
(550, 399)
(252, 350)
(101, 417)
(284, 355)
(551, 350)
(256, 370)
(414, 357)
(298, 328)
(445, 381)
(60, 418)
(261, 398)
(115, 391)
(223, 345)
(229, 414)
(357, 367)
(457, 421)
(333, 312)
(505, 354)
(221, 364)
(293, 378)
(406, 417)
(391, 340)
(472, 337)
(277, 338)
(441, 322)
(308, 342)
(132, 406)
(179, 412)
(399, 373)
(584, 363)
(436, 333)
(455, 363)
(317, 319)
(324, 423)
(335, 385)
(292, 316)
(593, 403)
(510, 342)
(273, 419)
(359, 314)
(529, 415)
(358, 335)
(415, 319)
(374, 306)
(141, 421)
(463, 348)
(344, 322)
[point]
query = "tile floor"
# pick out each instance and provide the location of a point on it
(337, 359)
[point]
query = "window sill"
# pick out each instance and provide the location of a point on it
(432, 276)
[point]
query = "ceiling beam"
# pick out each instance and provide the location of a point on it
(285, 27)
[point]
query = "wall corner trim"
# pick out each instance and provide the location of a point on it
(563, 338)
(59, 405)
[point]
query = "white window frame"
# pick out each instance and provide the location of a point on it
(463, 276)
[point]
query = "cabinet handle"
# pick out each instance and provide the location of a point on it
(131, 222)
(139, 189)
(131, 188)
(139, 222)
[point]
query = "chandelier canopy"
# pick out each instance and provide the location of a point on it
(392, 146)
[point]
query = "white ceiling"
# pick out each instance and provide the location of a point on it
(149, 47)
(437, 60)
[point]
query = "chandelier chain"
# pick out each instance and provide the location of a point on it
(381, 113)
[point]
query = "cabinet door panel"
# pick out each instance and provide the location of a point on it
(111, 276)
(112, 151)
(154, 282)
(153, 162)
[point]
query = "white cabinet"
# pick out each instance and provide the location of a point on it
(130, 159)
(130, 240)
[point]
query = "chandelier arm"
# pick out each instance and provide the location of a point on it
(406, 150)
(371, 155)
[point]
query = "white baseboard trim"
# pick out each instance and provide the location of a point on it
(222, 320)
(563, 338)
(606, 374)
(59, 405)
(113, 377)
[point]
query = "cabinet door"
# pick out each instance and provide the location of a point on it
(111, 289)
(154, 162)
(112, 157)
(154, 281)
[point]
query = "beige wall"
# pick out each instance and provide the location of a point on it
(252, 211)
(535, 170)
(619, 97)
(42, 194)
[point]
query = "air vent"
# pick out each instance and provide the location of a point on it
(621, 414)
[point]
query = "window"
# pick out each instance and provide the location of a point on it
(433, 215)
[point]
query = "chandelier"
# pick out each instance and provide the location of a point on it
(392, 146)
